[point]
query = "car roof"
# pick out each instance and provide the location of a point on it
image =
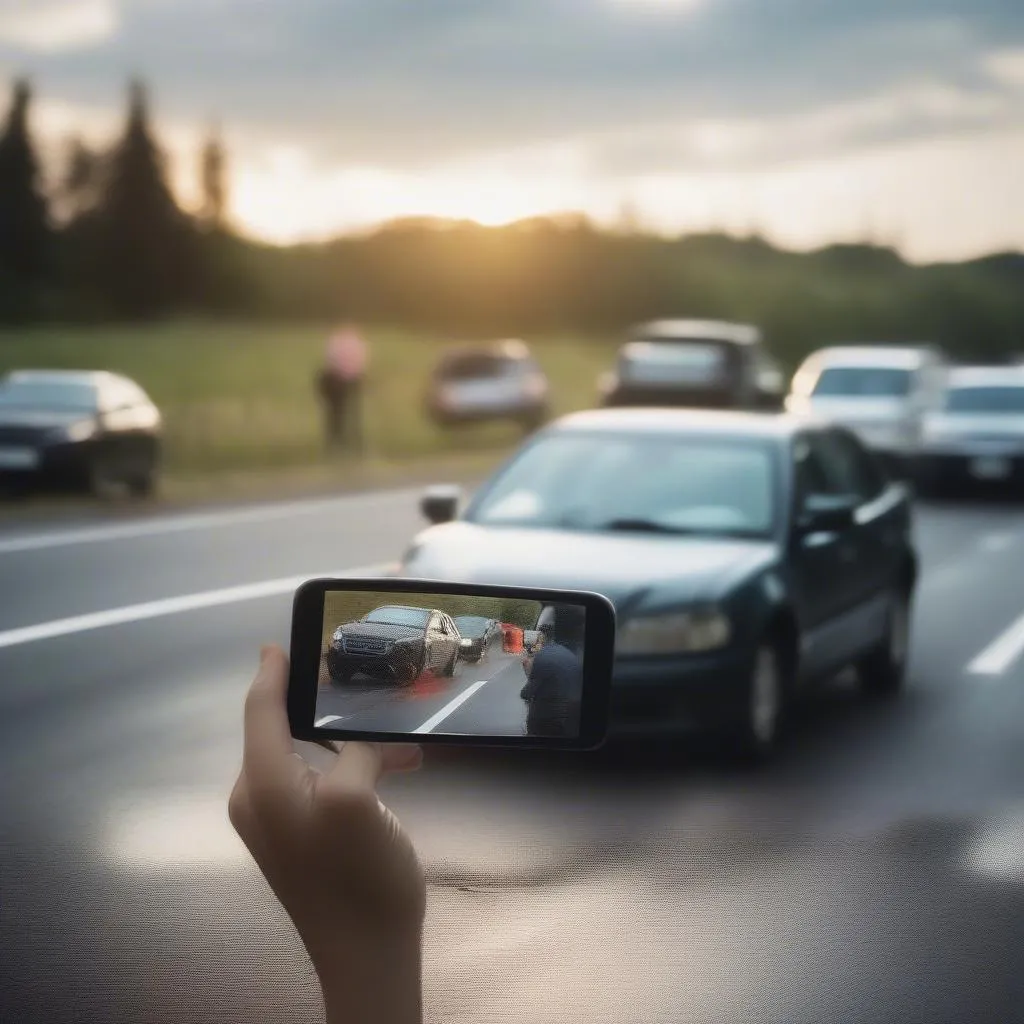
(986, 376)
(903, 357)
(507, 348)
(698, 422)
(94, 377)
(401, 607)
(698, 330)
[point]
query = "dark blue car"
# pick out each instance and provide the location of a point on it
(748, 557)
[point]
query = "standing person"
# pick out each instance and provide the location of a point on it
(555, 674)
(341, 387)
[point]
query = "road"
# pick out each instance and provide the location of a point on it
(875, 873)
(478, 699)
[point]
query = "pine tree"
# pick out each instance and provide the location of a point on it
(212, 170)
(145, 244)
(25, 236)
(79, 189)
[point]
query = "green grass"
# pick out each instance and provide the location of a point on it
(240, 396)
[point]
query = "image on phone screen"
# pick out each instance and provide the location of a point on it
(452, 664)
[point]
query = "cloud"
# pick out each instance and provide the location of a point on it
(400, 83)
(56, 26)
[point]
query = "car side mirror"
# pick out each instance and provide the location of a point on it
(827, 514)
(440, 504)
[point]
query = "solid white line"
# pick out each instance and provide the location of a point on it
(327, 719)
(995, 659)
(167, 606)
(435, 720)
(182, 523)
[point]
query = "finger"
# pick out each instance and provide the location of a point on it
(267, 759)
(402, 757)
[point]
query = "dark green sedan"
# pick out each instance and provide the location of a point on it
(749, 557)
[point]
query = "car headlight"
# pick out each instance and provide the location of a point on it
(687, 632)
(81, 430)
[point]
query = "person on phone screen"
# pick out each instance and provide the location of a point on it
(554, 681)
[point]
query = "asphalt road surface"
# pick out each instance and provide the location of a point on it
(875, 873)
(479, 699)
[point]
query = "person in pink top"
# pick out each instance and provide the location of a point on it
(341, 387)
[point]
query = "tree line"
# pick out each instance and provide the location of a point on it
(109, 241)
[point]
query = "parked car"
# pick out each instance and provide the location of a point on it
(501, 381)
(748, 557)
(978, 436)
(480, 633)
(394, 643)
(883, 393)
(694, 363)
(86, 430)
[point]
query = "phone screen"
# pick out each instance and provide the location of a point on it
(450, 664)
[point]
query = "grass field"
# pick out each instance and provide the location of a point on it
(240, 396)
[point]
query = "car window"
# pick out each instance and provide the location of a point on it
(62, 395)
(852, 469)
(810, 475)
(399, 616)
(863, 382)
(601, 481)
(986, 400)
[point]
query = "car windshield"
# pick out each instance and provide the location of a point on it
(862, 382)
(667, 360)
(471, 625)
(479, 367)
(73, 396)
(636, 482)
(999, 399)
(399, 616)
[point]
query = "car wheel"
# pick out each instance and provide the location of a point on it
(143, 483)
(755, 734)
(101, 476)
(882, 672)
(340, 675)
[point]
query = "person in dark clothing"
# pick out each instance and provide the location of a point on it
(341, 386)
(555, 681)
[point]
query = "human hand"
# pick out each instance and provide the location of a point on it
(335, 857)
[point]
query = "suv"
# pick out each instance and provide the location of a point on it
(695, 363)
(395, 643)
(479, 383)
(882, 393)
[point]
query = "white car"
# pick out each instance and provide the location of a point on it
(882, 393)
(978, 436)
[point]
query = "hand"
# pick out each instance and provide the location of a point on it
(336, 858)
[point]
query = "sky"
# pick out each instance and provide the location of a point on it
(807, 121)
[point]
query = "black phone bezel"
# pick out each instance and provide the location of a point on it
(306, 641)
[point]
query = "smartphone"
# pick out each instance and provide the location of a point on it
(469, 664)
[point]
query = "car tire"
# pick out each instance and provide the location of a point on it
(339, 676)
(755, 734)
(882, 672)
(101, 476)
(143, 484)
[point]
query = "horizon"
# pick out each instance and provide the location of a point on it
(899, 124)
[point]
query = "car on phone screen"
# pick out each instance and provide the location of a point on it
(485, 383)
(394, 643)
(748, 557)
(705, 364)
(883, 393)
(80, 429)
(978, 435)
(478, 633)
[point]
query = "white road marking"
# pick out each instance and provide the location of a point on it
(995, 659)
(452, 706)
(328, 719)
(181, 523)
(168, 606)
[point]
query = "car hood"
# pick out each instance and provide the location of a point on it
(632, 571)
(865, 411)
(380, 630)
(44, 419)
(980, 426)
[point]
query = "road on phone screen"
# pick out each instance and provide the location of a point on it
(480, 699)
(874, 873)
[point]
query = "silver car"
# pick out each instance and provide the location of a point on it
(882, 393)
(978, 436)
